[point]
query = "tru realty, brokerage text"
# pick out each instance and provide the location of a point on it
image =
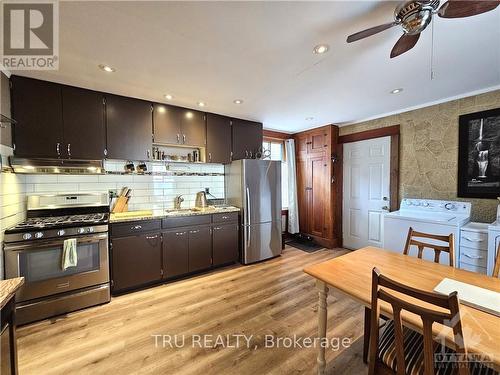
(229, 341)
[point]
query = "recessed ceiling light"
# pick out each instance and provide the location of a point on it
(309, 118)
(107, 68)
(202, 104)
(238, 101)
(321, 48)
(168, 97)
(396, 91)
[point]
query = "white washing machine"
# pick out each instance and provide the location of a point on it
(429, 216)
(493, 242)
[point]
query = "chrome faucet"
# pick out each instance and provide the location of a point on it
(177, 202)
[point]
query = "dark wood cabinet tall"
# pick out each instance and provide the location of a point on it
(225, 243)
(218, 139)
(246, 138)
(175, 252)
(136, 261)
(37, 108)
(84, 128)
(129, 128)
(316, 184)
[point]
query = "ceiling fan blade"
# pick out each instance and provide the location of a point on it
(369, 32)
(404, 44)
(466, 8)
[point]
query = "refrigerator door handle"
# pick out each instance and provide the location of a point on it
(248, 205)
(247, 236)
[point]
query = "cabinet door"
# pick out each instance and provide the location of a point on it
(200, 248)
(129, 128)
(303, 194)
(193, 128)
(84, 129)
(225, 244)
(167, 123)
(218, 139)
(175, 252)
(319, 195)
(37, 108)
(247, 138)
(136, 260)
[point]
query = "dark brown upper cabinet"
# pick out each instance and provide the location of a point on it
(84, 128)
(247, 138)
(37, 108)
(175, 125)
(218, 139)
(129, 128)
(167, 123)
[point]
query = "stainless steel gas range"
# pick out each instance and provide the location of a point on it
(34, 249)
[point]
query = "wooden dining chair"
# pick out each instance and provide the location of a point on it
(496, 269)
(396, 349)
(413, 239)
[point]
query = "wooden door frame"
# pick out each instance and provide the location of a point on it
(388, 131)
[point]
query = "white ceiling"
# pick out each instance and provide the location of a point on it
(261, 52)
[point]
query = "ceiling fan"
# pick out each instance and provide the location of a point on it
(415, 15)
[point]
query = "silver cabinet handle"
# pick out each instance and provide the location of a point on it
(217, 228)
(184, 138)
(246, 153)
(178, 138)
(473, 239)
(58, 149)
(135, 227)
(209, 156)
(194, 231)
(151, 237)
(148, 154)
(471, 256)
(69, 149)
(180, 233)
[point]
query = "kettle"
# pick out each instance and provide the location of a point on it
(201, 200)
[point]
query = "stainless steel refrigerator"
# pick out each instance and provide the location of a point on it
(255, 187)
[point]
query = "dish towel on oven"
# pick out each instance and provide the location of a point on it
(69, 255)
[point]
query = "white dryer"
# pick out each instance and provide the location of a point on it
(429, 216)
(493, 242)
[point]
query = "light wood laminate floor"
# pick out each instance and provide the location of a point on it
(271, 298)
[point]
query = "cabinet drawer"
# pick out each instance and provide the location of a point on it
(225, 217)
(473, 257)
(471, 268)
(129, 228)
(474, 240)
(185, 221)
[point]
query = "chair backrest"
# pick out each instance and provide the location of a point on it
(449, 248)
(450, 318)
(496, 269)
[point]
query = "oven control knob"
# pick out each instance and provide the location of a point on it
(38, 235)
(90, 229)
(61, 232)
(81, 230)
(27, 236)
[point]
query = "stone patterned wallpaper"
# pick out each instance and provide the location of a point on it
(429, 150)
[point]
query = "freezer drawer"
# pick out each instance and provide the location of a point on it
(261, 241)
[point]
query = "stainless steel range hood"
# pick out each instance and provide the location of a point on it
(56, 166)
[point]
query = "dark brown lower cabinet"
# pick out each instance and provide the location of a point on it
(200, 249)
(225, 244)
(136, 260)
(175, 252)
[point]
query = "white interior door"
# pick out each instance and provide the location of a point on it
(366, 192)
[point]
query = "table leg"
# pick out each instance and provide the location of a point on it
(322, 317)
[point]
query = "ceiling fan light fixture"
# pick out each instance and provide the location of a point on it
(396, 91)
(320, 49)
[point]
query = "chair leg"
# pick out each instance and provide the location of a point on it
(366, 337)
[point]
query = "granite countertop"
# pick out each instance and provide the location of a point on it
(8, 288)
(160, 214)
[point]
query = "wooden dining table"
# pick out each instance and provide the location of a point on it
(351, 275)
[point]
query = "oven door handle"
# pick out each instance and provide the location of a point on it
(34, 245)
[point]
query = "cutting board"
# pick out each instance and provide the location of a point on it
(131, 214)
